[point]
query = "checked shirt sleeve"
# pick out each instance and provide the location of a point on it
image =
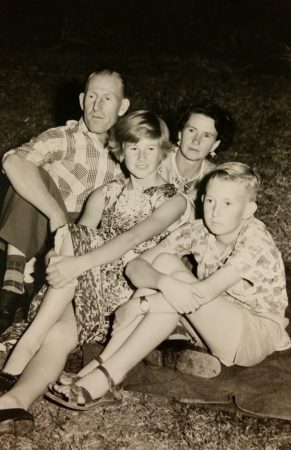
(48, 147)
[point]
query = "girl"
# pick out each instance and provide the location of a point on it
(123, 211)
(202, 130)
(236, 304)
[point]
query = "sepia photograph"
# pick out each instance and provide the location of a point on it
(145, 237)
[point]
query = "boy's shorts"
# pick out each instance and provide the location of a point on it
(260, 337)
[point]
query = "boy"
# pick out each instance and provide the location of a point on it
(236, 305)
(241, 285)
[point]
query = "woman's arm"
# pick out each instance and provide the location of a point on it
(64, 270)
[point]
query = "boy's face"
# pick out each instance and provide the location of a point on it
(102, 103)
(198, 137)
(226, 206)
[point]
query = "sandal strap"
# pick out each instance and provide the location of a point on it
(99, 359)
(110, 381)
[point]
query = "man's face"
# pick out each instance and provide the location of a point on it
(226, 206)
(102, 103)
(198, 137)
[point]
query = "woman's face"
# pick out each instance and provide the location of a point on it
(198, 137)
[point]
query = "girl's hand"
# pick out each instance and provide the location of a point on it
(184, 297)
(63, 269)
(126, 314)
(50, 254)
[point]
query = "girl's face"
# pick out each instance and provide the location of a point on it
(142, 158)
(198, 137)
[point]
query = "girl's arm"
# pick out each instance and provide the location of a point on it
(66, 269)
(94, 209)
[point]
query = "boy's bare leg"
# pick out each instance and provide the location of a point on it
(46, 365)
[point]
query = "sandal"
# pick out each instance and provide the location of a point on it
(17, 421)
(7, 381)
(79, 399)
(68, 378)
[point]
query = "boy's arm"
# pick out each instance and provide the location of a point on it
(185, 297)
(158, 221)
(217, 283)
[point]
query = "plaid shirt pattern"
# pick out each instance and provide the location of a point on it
(74, 158)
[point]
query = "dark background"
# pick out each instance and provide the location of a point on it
(222, 28)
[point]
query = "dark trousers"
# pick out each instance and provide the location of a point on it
(24, 226)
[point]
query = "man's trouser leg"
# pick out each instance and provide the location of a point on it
(25, 228)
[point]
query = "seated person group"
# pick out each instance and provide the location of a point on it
(126, 208)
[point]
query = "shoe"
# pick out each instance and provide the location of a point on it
(68, 378)
(192, 361)
(184, 357)
(9, 302)
(16, 421)
(170, 347)
(7, 381)
(79, 399)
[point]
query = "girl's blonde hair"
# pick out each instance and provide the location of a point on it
(139, 125)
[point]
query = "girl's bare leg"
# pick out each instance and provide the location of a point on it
(46, 365)
(171, 265)
(148, 334)
(51, 309)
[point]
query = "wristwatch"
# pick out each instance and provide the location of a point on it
(144, 304)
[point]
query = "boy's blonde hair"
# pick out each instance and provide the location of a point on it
(238, 173)
(139, 125)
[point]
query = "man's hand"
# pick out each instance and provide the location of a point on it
(126, 314)
(183, 296)
(63, 269)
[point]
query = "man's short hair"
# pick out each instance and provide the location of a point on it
(108, 72)
(238, 173)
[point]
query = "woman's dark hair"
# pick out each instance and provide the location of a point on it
(223, 120)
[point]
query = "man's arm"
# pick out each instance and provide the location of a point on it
(26, 180)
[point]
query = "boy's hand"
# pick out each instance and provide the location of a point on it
(126, 314)
(184, 297)
(63, 269)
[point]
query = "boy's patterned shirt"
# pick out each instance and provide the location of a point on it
(75, 159)
(253, 255)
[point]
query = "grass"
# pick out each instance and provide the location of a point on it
(37, 91)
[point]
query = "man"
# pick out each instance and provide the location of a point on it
(52, 176)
